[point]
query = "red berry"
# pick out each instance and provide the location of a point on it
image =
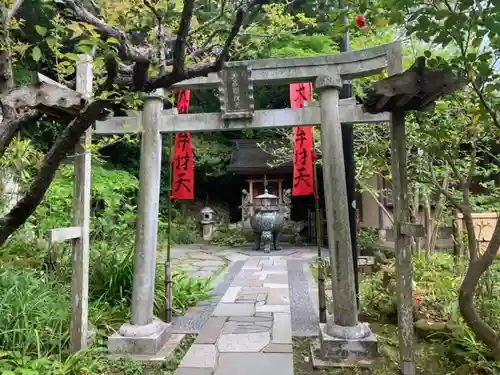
(360, 21)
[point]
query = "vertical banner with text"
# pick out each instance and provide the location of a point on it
(303, 177)
(183, 167)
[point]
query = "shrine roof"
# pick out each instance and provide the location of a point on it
(249, 158)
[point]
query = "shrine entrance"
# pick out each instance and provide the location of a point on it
(146, 335)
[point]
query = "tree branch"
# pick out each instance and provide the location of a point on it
(180, 43)
(201, 70)
(210, 21)
(10, 124)
(76, 11)
(477, 267)
(492, 112)
(63, 146)
(13, 10)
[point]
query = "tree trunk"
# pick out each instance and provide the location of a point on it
(7, 128)
(457, 236)
(415, 244)
(63, 146)
(478, 265)
(428, 226)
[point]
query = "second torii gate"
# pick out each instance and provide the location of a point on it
(144, 335)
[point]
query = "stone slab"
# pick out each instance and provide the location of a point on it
(274, 285)
(272, 278)
(193, 371)
(305, 315)
(278, 296)
(210, 331)
(273, 308)
(243, 343)
(255, 363)
(282, 328)
(258, 317)
(246, 327)
(200, 355)
(234, 309)
(252, 283)
(278, 348)
(231, 294)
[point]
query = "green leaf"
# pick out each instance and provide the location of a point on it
(36, 53)
(51, 41)
(40, 30)
(113, 41)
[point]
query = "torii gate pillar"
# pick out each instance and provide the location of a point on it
(342, 338)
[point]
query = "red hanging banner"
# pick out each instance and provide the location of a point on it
(303, 178)
(183, 167)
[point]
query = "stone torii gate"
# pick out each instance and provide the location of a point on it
(144, 334)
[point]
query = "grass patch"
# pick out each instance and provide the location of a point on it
(92, 361)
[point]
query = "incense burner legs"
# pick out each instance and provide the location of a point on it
(267, 227)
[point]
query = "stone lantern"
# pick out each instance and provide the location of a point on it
(267, 222)
(207, 223)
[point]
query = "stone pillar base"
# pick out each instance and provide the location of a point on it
(329, 351)
(134, 339)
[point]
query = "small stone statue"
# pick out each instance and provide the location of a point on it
(245, 205)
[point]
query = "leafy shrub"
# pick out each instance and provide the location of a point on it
(368, 242)
(187, 291)
(184, 230)
(436, 281)
(225, 236)
(111, 279)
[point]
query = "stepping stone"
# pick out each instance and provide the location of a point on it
(204, 256)
(200, 355)
(234, 309)
(255, 363)
(278, 296)
(231, 294)
(235, 327)
(273, 308)
(208, 263)
(211, 330)
(258, 317)
(282, 328)
(244, 342)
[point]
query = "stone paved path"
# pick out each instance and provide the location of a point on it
(249, 331)
(196, 260)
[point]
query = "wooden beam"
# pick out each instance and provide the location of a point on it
(349, 65)
(63, 234)
(402, 242)
(350, 113)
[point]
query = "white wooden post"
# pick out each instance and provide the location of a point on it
(81, 219)
(79, 232)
